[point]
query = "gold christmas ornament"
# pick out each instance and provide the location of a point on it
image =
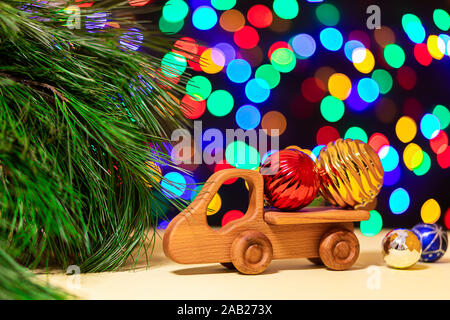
(351, 173)
(401, 248)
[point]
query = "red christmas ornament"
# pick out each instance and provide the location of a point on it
(291, 179)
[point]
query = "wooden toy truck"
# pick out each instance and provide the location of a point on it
(323, 235)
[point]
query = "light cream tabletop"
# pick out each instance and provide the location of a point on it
(369, 278)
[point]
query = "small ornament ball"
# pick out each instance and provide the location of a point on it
(434, 241)
(401, 249)
(291, 180)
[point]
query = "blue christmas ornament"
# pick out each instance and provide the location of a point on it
(434, 241)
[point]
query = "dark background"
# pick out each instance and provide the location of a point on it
(432, 88)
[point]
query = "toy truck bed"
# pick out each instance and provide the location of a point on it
(315, 215)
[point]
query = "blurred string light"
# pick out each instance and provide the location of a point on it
(204, 18)
(436, 47)
(232, 20)
(384, 36)
(220, 103)
(186, 47)
(212, 60)
(170, 27)
(173, 64)
(373, 225)
(277, 45)
(351, 46)
(327, 14)
(317, 149)
(444, 44)
(192, 108)
(391, 178)
(313, 89)
(356, 133)
(132, 39)
(339, 86)
(394, 55)
(384, 80)
(377, 141)
(439, 143)
(248, 117)
(246, 37)
(406, 78)
(412, 156)
(227, 50)
(215, 205)
(406, 129)
(422, 54)
(286, 9)
(274, 123)
(223, 4)
(173, 184)
(331, 39)
(430, 211)
(399, 201)
(240, 155)
(96, 20)
(257, 90)
(231, 216)
(326, 134)
(268, 73)
(332, 109)
(389, 158)
(443, 115)
(368, 89)
(441, 19)
(260, 16)
(430, 126)
(363, 60)
(303, 45)
(413, 27)
(198, 87)
(175, 10)
(283, 60)
(239, 71)
(424, 166)
(355, 102)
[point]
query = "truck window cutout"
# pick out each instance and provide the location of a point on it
(228, 204)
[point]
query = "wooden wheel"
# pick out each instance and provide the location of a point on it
(339, 249)
(228, 265)
(316, 261)
(251, 252)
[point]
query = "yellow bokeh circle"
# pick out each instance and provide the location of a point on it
(339, 86)
(406, 129)
(430, 211)
(363, 61)
(212, 61)
(214, 205)
(434, 45)
(155, 172)
(412, 156)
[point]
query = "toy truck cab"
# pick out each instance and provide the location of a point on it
(249, 244)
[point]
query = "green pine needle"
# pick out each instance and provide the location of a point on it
(79, 119)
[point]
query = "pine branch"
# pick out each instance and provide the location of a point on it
(79, 118)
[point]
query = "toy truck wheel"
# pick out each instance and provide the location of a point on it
(228, 265)
(339, 249)
(251, 252)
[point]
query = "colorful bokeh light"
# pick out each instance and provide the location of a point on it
(239, 71)
(248, 117)
(399, 201)
(332, 109)
(220, 103)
